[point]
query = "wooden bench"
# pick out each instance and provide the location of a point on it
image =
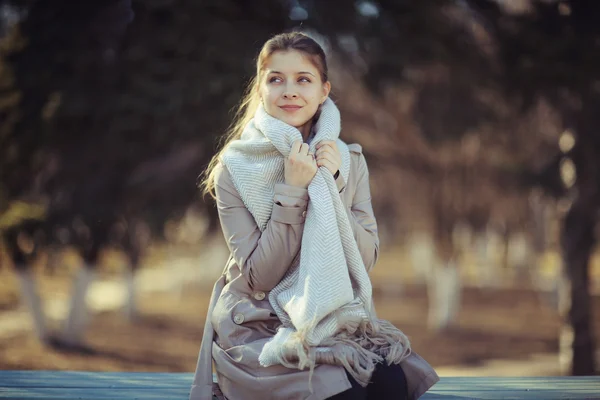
(66, 385)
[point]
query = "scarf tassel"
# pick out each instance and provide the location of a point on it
(358, 349)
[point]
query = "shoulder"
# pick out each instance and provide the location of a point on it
(355, 148)
(220, 173)
(357, 159)
(223, 178)
(356, 155)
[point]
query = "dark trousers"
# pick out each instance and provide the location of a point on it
(387, 382)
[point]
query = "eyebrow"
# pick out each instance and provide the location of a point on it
(297, 73)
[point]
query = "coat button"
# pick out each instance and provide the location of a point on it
(259, 295)
(238, 318)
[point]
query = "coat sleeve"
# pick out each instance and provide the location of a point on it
(361, 214)
(263, 257)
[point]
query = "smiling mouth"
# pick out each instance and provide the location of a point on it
(290, 108)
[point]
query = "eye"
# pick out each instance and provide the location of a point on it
(274, 79)
(304, 79)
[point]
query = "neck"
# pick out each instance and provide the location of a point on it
(305, 130)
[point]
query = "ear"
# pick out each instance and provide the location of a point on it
(326, 90)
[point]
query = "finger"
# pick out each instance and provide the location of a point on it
(327, 167)
(327, 164)
(331, 148)
(334, 147)
(326, 156)
(312, 159)
(322, 149)
(304, 149)
(326, 152)
(325, 142)
(296, 147)
(326, 149)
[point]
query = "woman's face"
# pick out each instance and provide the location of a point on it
(291, 88)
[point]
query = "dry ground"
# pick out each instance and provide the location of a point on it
(493, 324)
(506, 324)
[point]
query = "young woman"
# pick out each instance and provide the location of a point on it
(292, 315)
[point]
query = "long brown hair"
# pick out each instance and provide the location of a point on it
(251, 99)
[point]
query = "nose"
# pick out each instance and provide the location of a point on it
(290, 93)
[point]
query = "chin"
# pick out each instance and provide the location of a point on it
(296, 122)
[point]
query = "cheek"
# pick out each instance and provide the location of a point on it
(312, 96)
(313, 100)
(272, 94)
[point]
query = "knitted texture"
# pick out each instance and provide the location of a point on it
(325, 299)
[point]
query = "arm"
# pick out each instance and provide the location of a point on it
(362, 218)
(263, 258)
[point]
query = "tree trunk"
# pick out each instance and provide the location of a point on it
(444, 292)
(576, 336)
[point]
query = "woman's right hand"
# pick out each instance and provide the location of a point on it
(300, 166)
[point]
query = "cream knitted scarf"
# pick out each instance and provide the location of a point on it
(324, 301)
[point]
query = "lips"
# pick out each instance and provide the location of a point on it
(290, 108)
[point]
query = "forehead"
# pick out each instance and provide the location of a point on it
(290, 62)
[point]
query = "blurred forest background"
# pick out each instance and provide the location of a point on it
(479, 120)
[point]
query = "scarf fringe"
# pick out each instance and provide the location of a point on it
(358, 348)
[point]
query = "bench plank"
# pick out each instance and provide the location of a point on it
(71, 385)
(93, 379)
(95, 393)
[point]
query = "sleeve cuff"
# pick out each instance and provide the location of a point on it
(290, 196)
(288, 215)
(290, 204)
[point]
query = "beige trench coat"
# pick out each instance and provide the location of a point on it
(240, 319)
